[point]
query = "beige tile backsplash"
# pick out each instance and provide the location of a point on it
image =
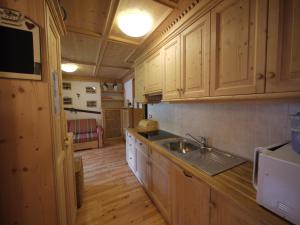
(236, 127)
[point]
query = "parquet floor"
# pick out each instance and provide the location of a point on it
(112, 194)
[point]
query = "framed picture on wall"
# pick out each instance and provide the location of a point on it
(67, 86)
(90, 90)
(68, 101)
(91, 104)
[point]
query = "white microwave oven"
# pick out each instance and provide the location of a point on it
(276, 177)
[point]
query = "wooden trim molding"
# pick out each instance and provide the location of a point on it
(84, 32)
(55, 10)
(264, 96)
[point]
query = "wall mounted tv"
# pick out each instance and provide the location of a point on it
(20, 55)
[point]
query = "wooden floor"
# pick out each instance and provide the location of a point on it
(112, 194)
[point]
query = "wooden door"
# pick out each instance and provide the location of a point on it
(238, 43)
(154, 73)
(58, 120)
(283, 54)
(171, 73)
(225, 212)
(143, 164)
(139, 83)
(160, 184)
(112, 123)
(190, 199)
(195, 48)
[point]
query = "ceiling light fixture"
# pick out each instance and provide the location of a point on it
(69, 67)
(134, 22)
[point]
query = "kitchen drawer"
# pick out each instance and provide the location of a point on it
(141, 146)
(132, 159)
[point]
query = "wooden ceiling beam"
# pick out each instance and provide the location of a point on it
(78, 61)
(109, 21)
(117, 67)
(84, 32)
(74, 77)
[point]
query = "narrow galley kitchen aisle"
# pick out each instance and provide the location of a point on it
(112, 194)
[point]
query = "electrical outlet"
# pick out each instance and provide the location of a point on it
(150, 116)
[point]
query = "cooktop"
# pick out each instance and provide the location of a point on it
(157, 135)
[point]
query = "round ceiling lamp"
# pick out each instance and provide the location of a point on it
(134, 22)
(69, 67)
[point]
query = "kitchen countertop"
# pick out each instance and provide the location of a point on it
(235, 183)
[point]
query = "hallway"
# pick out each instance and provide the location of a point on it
(112, 194)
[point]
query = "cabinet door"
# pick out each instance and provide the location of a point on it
(160, 184)
(143, 164)
(226, 212)
(238, 47)
(112, 123)
(171, 78)
(195, 41)
(154, 73)
(283, 55)
(139, 85)
(190, 199)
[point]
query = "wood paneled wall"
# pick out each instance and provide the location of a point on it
(27, 193)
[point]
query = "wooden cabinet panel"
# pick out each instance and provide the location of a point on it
(190, 199)
(139, 84)
(195, 48)
(225, 212)
(283, 55)
(154, 73)
(143, 164)
(171, 77)
(112, 123)
(160, 185)
(238, 43)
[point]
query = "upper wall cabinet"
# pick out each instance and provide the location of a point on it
(139, 85)
(154, 72)
(195, 41)
(238, 29)
(283, 59)
(172, 78)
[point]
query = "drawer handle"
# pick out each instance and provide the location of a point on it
(130, 157)
(271, 75)
(260, 76)
(187, 174)
(141, 143)
(212, 204)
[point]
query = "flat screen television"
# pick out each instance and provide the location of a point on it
(20, 50)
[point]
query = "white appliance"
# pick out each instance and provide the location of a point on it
(276, 177)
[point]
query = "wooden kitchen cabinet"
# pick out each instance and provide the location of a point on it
(195, 49)
(283, 55)
(160, 184)
(139, 84)
(190, 199)
(154, 73)
(142, 159)
(238, 47)
(224, 211)
(172, 74)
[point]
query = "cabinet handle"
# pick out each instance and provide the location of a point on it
(271, 75)
(260, 76)
(141, 143)
(187, 174)
(212, 204)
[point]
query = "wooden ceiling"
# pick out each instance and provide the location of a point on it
(96, 44)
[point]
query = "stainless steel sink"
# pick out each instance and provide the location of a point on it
(210, 160)
(181, 146)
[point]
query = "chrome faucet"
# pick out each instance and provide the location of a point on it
(202, 141)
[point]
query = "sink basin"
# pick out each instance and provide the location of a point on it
(210, 160)
(181, 146)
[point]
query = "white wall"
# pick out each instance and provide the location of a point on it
(80, 103)
(128, 94)
(234, 127)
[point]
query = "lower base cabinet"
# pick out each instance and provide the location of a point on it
(225, 212)
(160, 184)
(190, 199)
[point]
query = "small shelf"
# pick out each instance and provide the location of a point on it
(113, 100)
(113, 92)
